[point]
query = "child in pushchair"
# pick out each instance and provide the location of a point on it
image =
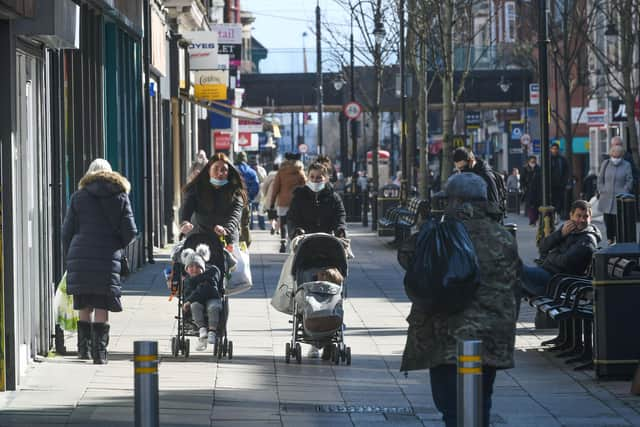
(203, 288)
(198, 280)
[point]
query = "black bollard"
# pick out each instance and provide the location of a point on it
(625, 218)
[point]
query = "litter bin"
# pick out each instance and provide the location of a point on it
(617, 290)
(625, 218)
(352, 206)
(388, 197)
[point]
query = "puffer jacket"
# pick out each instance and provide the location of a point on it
(205, 207)
(290, 176)
(99, 223)
(203, 287)
(570, 254)
(491, 315)
(321, 212)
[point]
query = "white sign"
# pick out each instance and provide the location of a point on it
(303, 148)
(525, 139)
(248, 122)
(248, 141)
(534, 94)
(597, 118)
(228, 33)
(352, 110)
(579, 115)
(211, 77)
(203, 49)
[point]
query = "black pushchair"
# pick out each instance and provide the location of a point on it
(318, 305)
(223, 347)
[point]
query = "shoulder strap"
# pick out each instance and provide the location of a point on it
(604, 169)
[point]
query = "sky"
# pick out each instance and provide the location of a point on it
(280, 25)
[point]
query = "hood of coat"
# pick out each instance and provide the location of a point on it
(592, 231)
(290, 166)
(104, 183)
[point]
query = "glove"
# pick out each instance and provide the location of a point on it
(341, 233)
(298, 232)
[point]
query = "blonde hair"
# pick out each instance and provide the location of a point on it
(99, 165)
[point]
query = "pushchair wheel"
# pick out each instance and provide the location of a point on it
(224, 346)
(230, 350)
(185, 347)
(287, 352)
(218, 353)
(335, 355)
(174, 346)
(327, 351)
(298, 353)
(347, 352)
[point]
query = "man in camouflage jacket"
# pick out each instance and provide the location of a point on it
(489, 317)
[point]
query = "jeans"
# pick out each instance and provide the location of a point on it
(535, 279)
(610, 224)
(255, 208)
(214, 307)
(444, 384)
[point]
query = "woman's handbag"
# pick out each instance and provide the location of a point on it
(239, 278)
(65, 315)
(125, 269)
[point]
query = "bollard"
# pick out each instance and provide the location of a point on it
(145, 362)
(365, 208)
(470, 399)
(625, 218)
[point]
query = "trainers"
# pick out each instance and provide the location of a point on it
(211, 337)
(202, 332)
(273, 231)
(313, 353)
(202, 344)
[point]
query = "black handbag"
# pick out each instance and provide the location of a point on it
(125, 269)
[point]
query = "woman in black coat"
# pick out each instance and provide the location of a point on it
(531, 183)
(213, 200)
(315, 207)
(99, 224)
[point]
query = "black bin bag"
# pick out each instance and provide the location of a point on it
(443, 273)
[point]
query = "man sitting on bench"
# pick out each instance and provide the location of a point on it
(567, 250)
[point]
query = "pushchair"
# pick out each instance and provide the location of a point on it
(318, 305)
(223, 347)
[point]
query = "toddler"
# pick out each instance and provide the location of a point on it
(202, 290)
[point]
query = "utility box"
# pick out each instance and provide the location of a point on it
(388, 198)
(617, 292)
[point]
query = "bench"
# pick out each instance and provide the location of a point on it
(403, 217)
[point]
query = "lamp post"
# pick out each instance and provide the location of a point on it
(354, 123)
(404, 183)
(379, 35)
(319, 78)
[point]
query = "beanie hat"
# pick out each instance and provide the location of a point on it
(199, 256)
(460, 154)
(99, 165)
(466, 186)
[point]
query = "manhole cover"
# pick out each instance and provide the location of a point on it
(347, 409)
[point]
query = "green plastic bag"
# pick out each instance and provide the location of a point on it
(66, 316)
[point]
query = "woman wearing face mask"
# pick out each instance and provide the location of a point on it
(213, 200)
(615, 177)
(315, 207)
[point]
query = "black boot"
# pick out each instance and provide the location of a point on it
(283, 246)
(100, 340)
(84, 340)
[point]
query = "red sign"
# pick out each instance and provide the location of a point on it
(221, 140)
(352, 110)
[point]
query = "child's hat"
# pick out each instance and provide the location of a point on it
(199, 256)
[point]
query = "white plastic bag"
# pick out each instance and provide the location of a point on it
(595, 207)
(239, 279)
(282, 299)
(64, 313)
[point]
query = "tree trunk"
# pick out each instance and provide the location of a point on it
(447, 90)
(410, 124)
(423, 125)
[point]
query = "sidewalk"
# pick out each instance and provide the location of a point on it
(257, 388)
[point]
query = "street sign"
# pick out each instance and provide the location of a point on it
(618, 111)
(596, 118)
(525, 139)
(534, 94)
(352, 110)
(303, 148)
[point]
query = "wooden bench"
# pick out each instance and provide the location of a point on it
(403, 217)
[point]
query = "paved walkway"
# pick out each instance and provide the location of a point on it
(257, 388)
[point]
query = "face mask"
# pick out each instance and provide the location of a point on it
(532, 165)
(218, 182)
(315, 186)
(616, 160)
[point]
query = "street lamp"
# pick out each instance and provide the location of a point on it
(338, 84)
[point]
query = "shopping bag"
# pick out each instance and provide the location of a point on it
(66, 316)
(239, 280)
(595, 207)
(282, 299)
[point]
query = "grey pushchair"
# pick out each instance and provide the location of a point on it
(318, 305)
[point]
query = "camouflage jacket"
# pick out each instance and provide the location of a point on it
(490, 317)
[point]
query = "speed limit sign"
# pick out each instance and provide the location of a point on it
(352, 110)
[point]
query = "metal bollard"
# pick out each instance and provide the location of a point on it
(145, 362)
(470, 399)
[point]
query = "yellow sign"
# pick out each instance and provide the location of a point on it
(216, 92)
(458, 141)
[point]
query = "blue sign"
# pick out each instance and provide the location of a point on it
(517, 130)
(536, 146)
(218, 121)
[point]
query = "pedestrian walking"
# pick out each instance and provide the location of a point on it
(214, 200)
(266, 189)
(615, 177)
(290, 175)
(532, 189)
(98, 225)
(252, 183)
(489, 316)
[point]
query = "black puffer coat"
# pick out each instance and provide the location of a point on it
(203, 287)
(98, 225)
(572, 253)
(321, 212)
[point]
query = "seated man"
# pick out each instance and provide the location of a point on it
(567, 250)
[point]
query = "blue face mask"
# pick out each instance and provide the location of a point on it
(218, 182)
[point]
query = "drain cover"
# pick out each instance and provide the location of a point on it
(348, 409)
